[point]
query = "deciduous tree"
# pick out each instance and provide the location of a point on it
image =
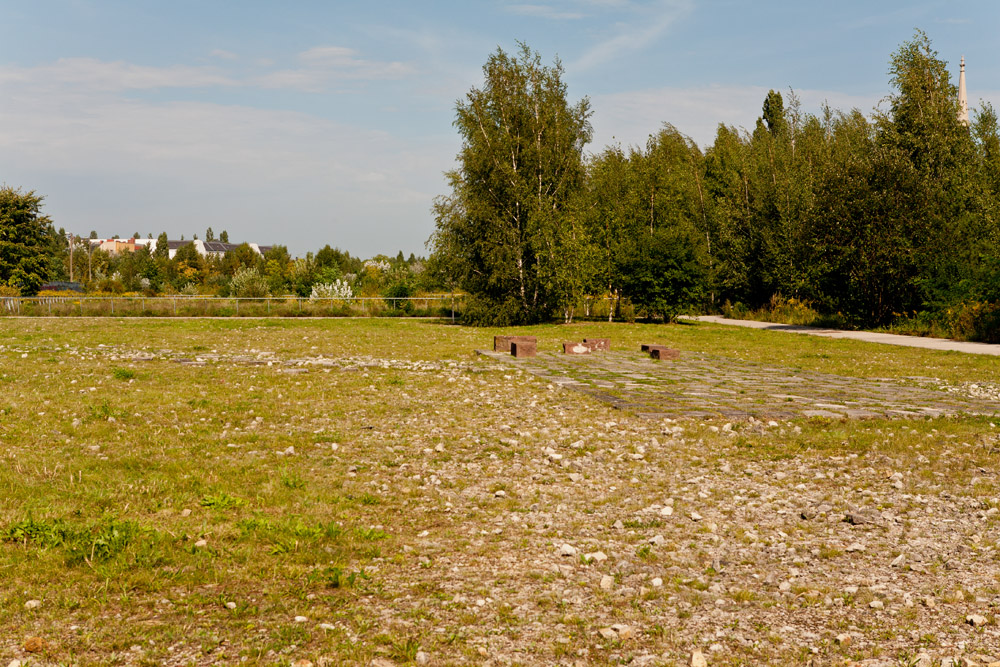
(505, 231)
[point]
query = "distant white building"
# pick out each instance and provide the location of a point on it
(204, 248)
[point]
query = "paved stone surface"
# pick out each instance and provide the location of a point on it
(867, 336)
(703, 386)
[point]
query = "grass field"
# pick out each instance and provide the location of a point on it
(343, 491)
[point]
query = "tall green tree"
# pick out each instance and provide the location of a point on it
(922, 125)
(507, 232)
(27, 239)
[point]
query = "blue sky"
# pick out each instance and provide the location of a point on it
(307, 123)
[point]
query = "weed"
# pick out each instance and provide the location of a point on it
(104, 411)
(291, 480)
(222, 501)
(336, 577)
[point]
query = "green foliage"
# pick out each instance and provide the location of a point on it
(96, 543)
(666, 275)
(221, 501)
(337, 577)
(27, 240)
(506, 233)
(248, 284)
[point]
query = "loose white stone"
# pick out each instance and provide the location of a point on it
(657, 582)
(301, 619)
(567, 550)
(697, 657)
(230, 605)
(607, 582)
(201, 544)
(32, 604)
(327, 626)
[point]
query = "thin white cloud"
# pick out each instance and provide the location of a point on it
(96, 75)
(642, 25)
(322, 65)
(222, 54)
(328, 54)
(320, 68)
(544, 11)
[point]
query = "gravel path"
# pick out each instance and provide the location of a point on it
(867, 336)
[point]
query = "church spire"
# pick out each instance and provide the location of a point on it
(963, 97)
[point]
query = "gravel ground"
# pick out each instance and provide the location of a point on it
(533, 523)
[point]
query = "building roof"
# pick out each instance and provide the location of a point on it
(219, 246)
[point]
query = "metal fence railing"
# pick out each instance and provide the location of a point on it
(438, 305)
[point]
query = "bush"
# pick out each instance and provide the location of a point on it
(976, 320)
(338, 290)
(397, 291)
(248, 284)
(783, 310)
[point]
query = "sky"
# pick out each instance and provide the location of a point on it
(313, 123)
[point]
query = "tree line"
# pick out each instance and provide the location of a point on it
(868, 218)
(33, 253)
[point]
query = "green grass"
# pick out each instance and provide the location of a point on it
(113, 470)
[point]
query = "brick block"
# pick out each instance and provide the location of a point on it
(524, 348)
(576, 348)
(663, 353)
(502, 343)
(598, 343)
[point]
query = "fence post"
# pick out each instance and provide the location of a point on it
(175, 306)
(112, 305)
(453, 308)
(268, 305)
(237, 300)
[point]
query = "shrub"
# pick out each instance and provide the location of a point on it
(975, 320)
(336, 290)
(248, 284)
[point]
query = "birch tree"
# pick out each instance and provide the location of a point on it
(507, 233)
